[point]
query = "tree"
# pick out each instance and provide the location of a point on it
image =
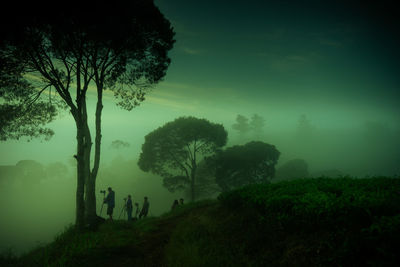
(205, 184)
(241, 125)
(174, 150)
(292, 169)
(55, 56)
(257, 124)
(240, 165)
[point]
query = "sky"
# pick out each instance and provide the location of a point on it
(337, 62)
(334, 61)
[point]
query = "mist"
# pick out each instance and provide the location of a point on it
(37, 195)
(324, 82)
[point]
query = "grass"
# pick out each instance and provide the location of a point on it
(306, 222)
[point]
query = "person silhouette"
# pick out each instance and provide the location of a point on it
(129, 208)
(175, 204)
(110, 201)
(145, 208)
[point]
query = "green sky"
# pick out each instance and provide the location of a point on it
(335, 61)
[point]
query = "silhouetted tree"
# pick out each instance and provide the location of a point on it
(50, 58)
(292, 169)
(174, 150)
(241, 125)
(257, 124)
(205, 184)
(240, 165)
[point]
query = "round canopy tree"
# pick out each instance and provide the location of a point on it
(174, 150)
(251, 163)
(51, 57)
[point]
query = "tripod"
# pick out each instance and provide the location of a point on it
(123, 210)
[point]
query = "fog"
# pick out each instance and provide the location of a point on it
(324, 80)
(37, 193)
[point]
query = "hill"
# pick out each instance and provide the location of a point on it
(305, 222)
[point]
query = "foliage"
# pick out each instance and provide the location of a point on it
(257, 225)
(44, 49)
(253, 162)
(359, 217)
(173, 150)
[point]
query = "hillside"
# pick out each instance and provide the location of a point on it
(306, 222)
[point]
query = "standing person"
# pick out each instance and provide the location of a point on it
(137, 210)
(145, 208)
(110, 201)
(129, 207)
(175, 204)
(181, 201)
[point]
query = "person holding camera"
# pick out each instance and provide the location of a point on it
(129, 208)
(110, 201)
(145, 208)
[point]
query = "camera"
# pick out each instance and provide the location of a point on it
(125, 198)
(102, 191)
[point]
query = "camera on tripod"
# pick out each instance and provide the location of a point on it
(102, 191)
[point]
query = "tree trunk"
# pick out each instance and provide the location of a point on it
(193, 182)
(80, 188)
(90, 200)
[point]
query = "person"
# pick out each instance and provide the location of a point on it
(175, 204)
(181, 201)
(137, 210)
(145, 208)
(110, 201)
(129, 208)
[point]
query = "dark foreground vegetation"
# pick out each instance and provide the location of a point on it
(305, 222)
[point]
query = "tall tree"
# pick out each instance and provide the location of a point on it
(241, 125)
(174, 150)
(251, 163)
(122, 47)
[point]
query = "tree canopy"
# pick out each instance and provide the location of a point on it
(174, 150)
(241, 125)
(251, 163)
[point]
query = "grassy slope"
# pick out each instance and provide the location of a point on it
(313, 222)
